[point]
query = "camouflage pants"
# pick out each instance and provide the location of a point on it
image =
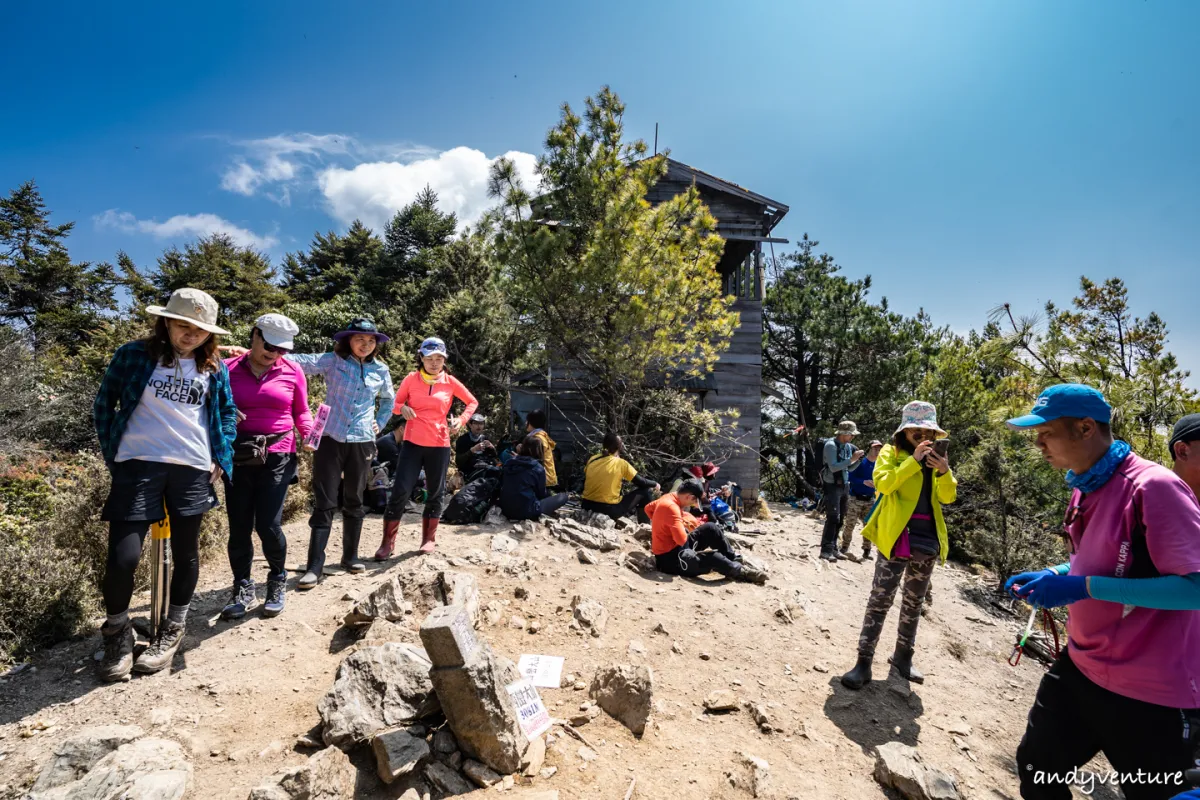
(916, 572)
(856, 512)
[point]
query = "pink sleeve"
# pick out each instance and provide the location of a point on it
(1172, 519)
(301, 413)
(464, 394)
(402, 394)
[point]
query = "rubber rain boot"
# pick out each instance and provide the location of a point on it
(860, 676)
(902, 660)
(428, 534)
(351, 533)
(317, 539)
(390, 527)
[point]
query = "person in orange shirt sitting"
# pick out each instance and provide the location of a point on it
(704, 550)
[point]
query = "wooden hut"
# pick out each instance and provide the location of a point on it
(745, 221)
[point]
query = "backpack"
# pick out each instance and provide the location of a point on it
(472, 502)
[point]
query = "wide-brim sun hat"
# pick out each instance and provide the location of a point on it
(919, 414)
(361, 325)
(191, 305)
(847, 428)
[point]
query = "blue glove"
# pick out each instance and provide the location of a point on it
(1024, 578)
(1052, 591)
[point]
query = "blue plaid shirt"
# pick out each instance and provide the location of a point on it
(351, 392)
(121, 390)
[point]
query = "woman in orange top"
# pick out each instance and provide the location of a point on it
(424, 399)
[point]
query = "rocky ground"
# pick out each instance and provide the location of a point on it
(241, 699)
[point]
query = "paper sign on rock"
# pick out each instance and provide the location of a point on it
(544, 671)
(531, 711)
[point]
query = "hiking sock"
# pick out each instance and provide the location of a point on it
(177, 614)
(115, 621)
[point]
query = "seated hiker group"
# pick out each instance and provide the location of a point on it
(173, 418)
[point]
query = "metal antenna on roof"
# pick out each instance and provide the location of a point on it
(656, 138)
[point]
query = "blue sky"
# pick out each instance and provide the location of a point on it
(962, 153)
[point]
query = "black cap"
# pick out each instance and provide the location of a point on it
(1186, 430)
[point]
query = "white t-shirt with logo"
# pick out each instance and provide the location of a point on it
(169, 424)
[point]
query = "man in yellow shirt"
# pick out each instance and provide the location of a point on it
(535, 425)
(602, 479)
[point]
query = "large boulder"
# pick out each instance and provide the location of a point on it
(386, 602)
(327, 775)
(899, 767)
(592, 519)
(575, 533)
(377, 688)
(626, 693)
(78, 754)
(145, 769)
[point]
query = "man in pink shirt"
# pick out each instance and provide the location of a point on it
(1128, 683)
(271, 395)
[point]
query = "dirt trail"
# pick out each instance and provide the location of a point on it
(241, 693)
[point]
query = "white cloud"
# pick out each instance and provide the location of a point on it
(370, 182)
(375, 191)
(184, 226)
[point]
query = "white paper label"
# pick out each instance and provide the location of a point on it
(544, 671)
(531, 712)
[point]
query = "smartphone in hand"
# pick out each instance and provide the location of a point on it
(941, 447)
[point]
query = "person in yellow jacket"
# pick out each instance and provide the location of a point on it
(535, 425)
(913, 482)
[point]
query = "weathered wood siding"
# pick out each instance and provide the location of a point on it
(739, 386)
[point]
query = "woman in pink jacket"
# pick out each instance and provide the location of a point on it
(424, 399)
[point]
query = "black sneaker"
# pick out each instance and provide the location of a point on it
(118, 654)
(162, 649)
(275, 591)
(241, 599)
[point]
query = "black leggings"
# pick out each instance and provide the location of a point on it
(125, 550)
(412, 459)
(631, 504)
(707, 550)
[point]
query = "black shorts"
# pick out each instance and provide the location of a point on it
(139, 488)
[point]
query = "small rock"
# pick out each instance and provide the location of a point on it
(705, 656)
(534, 757)
(675, 648)
(760, 774)
(481, 775)
(493, 612)
(586, 556)
(588, 754)
(821, 668)
(517, 622)
(446, 779)
(504, 544)
(521, 593)
(444, 742)
(898, 766)
(588, 615)
(660, 629)
(398, 753)
(721, 700)
(636, 647)
(626, 693)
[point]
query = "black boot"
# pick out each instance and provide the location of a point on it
(317, 539)
(351, 533)
(902, 660)
(860, 676)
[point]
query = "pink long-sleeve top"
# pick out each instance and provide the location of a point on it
(275, 402)
(432, 402)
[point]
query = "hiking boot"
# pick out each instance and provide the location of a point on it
(308, 581)
(275, 591)
(860, 676)
(162, 649)
(866, 553)
(829, 557)
(902, 660)
(118, 653)
(317, 539)
(351, 533)
(750, 575)
(848, 556)
(242, 599)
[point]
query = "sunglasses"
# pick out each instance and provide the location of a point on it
(919, 434)
(270, 348)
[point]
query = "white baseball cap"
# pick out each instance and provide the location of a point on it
(278, 330)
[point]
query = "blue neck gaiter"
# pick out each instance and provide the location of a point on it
(1101, 471)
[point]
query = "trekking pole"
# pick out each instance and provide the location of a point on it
(1015, 658)
(160, 572)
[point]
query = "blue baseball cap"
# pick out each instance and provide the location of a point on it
(1065, 400)
(432, 346)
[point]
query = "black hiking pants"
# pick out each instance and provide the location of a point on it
(837, 501)
(1073, 719)
(412, 459)
(254, 501)
(707, 550)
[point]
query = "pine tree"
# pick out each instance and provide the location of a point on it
(333, 264)
(411, 276)
(240, 279)
(41, 289)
